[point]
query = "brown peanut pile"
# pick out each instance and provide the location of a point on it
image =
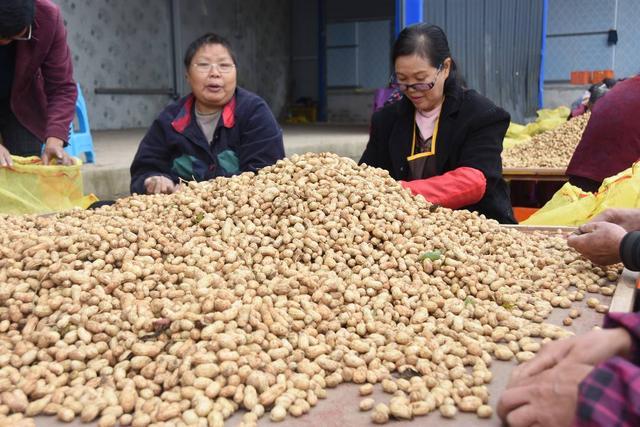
(260, 292)
(551, 149)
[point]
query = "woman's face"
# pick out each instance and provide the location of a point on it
(413, 69)
(212, 76)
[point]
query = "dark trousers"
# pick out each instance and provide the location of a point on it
(15, 137)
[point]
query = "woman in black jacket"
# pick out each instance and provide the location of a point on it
(440, 140)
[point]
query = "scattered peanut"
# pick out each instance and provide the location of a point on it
(367, 404)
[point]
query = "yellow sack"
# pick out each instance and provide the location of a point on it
(570, 206)
(621, 190)
(548, 113)
(516, 134)
(547, 119)
(29, 187)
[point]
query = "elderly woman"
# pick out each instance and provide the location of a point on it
(37, 91)
(219, 129)
(440, 140)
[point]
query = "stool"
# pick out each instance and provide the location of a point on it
(80, 141)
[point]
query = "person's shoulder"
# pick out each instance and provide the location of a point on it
(474, 103)
(172, 110)
(248, 99)
(46, 6)
(390, 112)
(47, 14)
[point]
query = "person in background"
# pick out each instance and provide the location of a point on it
(591, 96)
(37, 91)
(440, 140)
(592, 379)
(611, 141)
(219, 129)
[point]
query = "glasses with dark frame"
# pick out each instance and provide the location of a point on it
(420, 87)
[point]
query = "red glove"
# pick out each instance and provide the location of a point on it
(455, 189)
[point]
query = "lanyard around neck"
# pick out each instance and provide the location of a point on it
(432, 151)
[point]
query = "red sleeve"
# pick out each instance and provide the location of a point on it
(460, 187)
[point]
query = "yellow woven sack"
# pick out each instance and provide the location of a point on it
(571, 206)
(29, 187)
(621, 190)
(568, 207)
(547, 119)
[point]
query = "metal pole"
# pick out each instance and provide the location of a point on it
(176, 48)
(322, 61)
(543, 52)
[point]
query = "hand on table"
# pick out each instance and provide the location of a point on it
(547, 399)
(627, 218)
(599, 242)
(5, 157)
(591, 348)
(54, 149)
(544, 390)
(159, 185)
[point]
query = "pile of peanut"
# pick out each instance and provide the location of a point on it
(260, 292)
(551, 149)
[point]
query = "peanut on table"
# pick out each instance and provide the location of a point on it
(262, 292)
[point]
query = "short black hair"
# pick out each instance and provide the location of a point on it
(428, 42)
(15, 16)
(209, 38)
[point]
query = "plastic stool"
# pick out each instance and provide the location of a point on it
(80, 141)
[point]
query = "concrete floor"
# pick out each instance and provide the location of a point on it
(109, 177)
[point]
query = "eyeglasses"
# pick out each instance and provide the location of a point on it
(21, 38)
(420, 87)
(205, 68)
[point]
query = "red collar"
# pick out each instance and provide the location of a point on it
(184, 117)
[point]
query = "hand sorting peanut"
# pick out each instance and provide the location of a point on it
(551, 149)
(261, 292)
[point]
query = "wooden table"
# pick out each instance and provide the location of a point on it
(535, 174)
(340, 408)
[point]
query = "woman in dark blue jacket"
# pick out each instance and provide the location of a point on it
(217, 130)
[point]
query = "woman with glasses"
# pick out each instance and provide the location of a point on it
(440, 140)
(219, 129)
(37, 91)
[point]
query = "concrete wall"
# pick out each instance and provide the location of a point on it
(577, 37)
(259, 32)
(127, 44)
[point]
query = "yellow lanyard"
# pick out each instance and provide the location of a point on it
(432, 151)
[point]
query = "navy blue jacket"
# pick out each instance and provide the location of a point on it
(246, 139)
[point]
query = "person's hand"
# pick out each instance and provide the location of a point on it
(159, 185)
(54, 149)
(627, 218)
(591, 348)
(548, 399)
(5, 157)
(599, 242)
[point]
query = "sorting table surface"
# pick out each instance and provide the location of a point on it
(340, 408)
(535, 174)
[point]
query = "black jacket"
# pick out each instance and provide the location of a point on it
(472, 129)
